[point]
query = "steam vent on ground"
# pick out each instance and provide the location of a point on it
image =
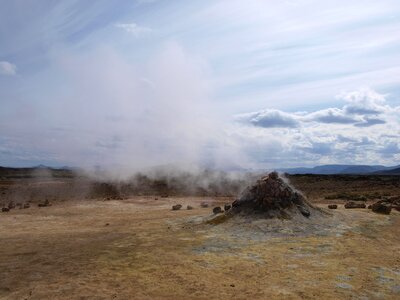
(272, 197)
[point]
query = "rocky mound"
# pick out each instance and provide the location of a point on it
(272, 197)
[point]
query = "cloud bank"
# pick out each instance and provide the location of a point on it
(365, 108)
(364, 130)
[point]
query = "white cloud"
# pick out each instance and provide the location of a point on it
(332, 135)
(7, 68)
(366, 108)
(364, 101)
(269, 118)
(134, 29)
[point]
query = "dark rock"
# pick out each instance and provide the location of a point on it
(332, 206)
(235, 203)
(176, 207)
(227, 207)
(5, 209)
(204, 204)
(189, 207)
(352, 204)
(272, 196)
(217, 210)
(381, 208)
(11, 205)
(27, 205)
(45, 204)
(304, 211)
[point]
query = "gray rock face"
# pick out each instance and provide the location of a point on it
(273, 196)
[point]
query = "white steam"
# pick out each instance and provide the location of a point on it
(125, 116)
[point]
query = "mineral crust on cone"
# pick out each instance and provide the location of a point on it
(272, 196)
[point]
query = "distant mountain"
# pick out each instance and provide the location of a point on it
(35, 172)
(339, 169)
(395, 171)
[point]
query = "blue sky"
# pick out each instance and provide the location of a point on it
(258, 84)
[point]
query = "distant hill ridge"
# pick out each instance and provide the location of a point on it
(33, 172)
(344, 169)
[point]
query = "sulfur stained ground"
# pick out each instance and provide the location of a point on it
(140, 249)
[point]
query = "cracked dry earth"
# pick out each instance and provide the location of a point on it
(147, 251)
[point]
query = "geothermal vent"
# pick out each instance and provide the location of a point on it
(271, 197)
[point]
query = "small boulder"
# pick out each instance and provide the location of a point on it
(204, 204)
(217, 210)
(352, 204)
(303, 210)
(26, 205)
(177, 207)
(381, 208)
(227, 207)
(5, 209)
(189, 207)
(332, 206)
(45, 204)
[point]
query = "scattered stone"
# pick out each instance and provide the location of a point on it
(26, 205)
(381, 208)
(227, 207)
(164, 196)
(352, 204)
(204, 204)
(45, 204)
(176, 207)
(344, 285)
(107, 224)
(332, 206)
(11, 205)
(155, 198)
(232, 285)
(304, 211)
(217, 210)
(5, 209)
(189, 207)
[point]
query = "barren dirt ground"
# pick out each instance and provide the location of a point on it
(140, 249)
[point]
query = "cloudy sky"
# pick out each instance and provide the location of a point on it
(255, 84)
